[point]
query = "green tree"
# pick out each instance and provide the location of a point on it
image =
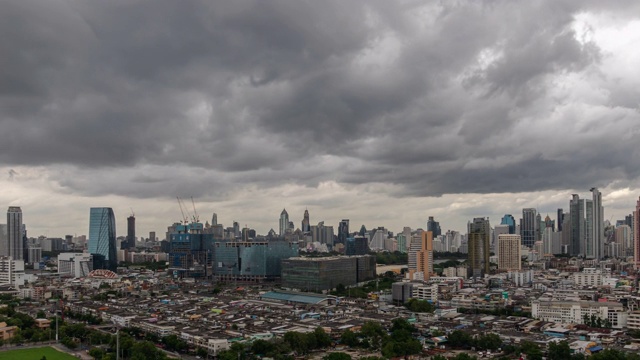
(488, 342)
(323, 339)
(144, 350)
(559, 350)
(532, 350)
(96, 353)
(464, 356)
(297, 341)
(349, 338)
(262, 347)
(337, 356)
(459, 339)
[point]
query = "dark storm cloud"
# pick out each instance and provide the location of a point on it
(453, 97)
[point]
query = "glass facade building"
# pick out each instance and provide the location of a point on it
(318, 274)
(102, 237)
(251, 260)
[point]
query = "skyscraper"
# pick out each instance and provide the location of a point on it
(15, 247)
(102, 238)
(424, 256)
(478, 244)
(306, 226)
(214, 219)
(587, 243)
(434, 227)
(636, 236)
(528, 227)
(343, 231)
(508, 219)
(597, 234)
(560, 219)
(509, 254)
(131, 233)
(577, 228)
(284, 222)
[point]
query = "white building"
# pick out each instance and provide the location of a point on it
(425, 292)
(75, 264)
(10, 270)
(633, 321)
(589, 277)
(573, 312)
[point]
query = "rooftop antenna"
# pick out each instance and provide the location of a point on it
(132, 213)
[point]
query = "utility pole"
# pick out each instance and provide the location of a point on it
(117, 342)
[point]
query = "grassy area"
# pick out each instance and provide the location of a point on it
(35, 354)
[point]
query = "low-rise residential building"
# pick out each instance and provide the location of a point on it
(574, 312)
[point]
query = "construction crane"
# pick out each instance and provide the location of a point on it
(196, 218)
(185, 220)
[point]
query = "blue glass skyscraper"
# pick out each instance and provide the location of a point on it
(102, 238)
(509, 220)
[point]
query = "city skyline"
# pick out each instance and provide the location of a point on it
(380, 113)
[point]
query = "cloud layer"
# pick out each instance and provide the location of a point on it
(432, 103)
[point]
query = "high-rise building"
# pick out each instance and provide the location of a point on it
(424, 256)
(597, 234)
(306, 226)
(636, 236)
(434, 227)
(478, 247)
(560, 219)
(528, 227)
(577, 228)
(509, 254)
(15, 246)
(284, 222)
(4, 240)
(214, 219)
(131, 233)
(152, 236)
(357, 245)
(587, 244)
(102, 238)
(497, 231)
(343, 231)
(508, 219)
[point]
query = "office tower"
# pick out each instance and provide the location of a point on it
(357, 245)
(539, 226)
(402, 243)
(363, 230)
(624, 240)
(424, 256)
(102, 238)
(434, 227)
(508, 219)
(497, 231)
(560, 219)
(4, 240)
(597, 234)
(509, 258)
(636, 236)
(284, 222)
(306, 226)
(131, 233)
(343, 231)
(15, 247)
(214, 219)
(577, 225)
(152, 236)
(528, 227)
(478, 247)
(236, 230)
(587, 244)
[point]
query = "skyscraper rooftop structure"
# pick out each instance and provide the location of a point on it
(102, 238)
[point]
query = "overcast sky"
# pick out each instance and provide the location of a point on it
(383, 112)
